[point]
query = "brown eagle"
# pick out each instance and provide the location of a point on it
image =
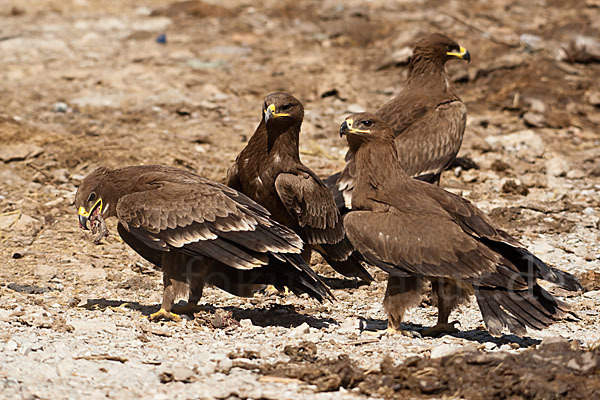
(197, 231)
(427, 117)
(269, 171)
(414, 230)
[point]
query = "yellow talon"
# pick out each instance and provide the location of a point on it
(164, 314)
(271, 290)
(392, 331)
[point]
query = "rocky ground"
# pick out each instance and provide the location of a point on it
(88, 83)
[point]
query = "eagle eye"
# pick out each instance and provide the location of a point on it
(286, 106)
(367, 123)
(92, 197)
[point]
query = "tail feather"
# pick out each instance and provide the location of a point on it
(286, 270)
(495, 319)
(561, 278)
(351, 268)
(532, 267)
(306, 280)
(516, 310)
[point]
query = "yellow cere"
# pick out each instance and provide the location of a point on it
(83, 212)
(460, 54)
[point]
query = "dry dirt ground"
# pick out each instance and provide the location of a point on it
(86, 83)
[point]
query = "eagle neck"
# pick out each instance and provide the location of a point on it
(378, 171)
(427, 73)
(283, 144)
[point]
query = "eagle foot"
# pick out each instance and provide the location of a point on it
(164, 314)
(394, 331)
(272, 290)
(403, 332)
(441, 329)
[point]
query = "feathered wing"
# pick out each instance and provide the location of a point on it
(433, 246)
(202, 218)
(408, 244)
(474, 222)
(428, 146)
(341, 184)
(307, 198)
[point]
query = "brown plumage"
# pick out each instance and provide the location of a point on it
(415, 230)
(197, 231)
(427, 117)
(270, 172)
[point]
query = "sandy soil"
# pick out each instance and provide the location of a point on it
(86, 83)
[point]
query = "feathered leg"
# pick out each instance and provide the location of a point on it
(448, 293)
(176, 285)
(401, 294)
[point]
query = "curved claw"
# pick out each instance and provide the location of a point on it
(441, 329)
(271, 290)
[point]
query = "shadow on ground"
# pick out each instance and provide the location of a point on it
(271, 315)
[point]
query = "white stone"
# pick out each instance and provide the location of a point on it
(300, 330)
(25, 223)
(246, 323)
(444, 350)
(557, 166)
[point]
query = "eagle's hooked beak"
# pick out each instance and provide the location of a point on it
(270, 113)
(462, 54)
(84, 215)
(347, 128)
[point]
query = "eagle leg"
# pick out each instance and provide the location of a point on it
(196, 276)
(175, 284)
(401, 294)
(448, 293)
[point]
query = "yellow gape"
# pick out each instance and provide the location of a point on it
(271, 110)
(461, 53)
(83, 213)
(349, 122)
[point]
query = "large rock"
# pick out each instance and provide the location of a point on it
(523, 143)
(19, 152)
(444, 350)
